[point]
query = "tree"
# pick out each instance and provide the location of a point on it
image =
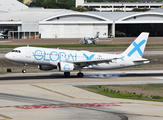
(79, 8)
(66, 4)
(140, 10)
(83, 9)
(90, 8)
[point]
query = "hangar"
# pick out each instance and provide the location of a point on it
(24, 22)
(133, 23)
(73, 25)
(76, 24)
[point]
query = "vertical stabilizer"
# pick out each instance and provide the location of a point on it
(136, 49)
(97, 35)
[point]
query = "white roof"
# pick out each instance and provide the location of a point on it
(113, 15)
(35, 15)
(11, 5)
(32, 14)
(128, 17)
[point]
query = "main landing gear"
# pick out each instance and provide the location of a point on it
(80, 74)
(24, 70)
(67, 74)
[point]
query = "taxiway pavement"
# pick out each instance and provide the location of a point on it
(40, 96)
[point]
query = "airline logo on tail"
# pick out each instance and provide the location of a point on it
(137, 48)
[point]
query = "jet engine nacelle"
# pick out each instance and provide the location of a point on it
(65, 67)
(46, 67)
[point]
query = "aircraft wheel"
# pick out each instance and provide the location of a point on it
(23, 71)
(80, 74)
(67, 74)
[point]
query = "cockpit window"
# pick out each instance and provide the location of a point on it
(17, 51)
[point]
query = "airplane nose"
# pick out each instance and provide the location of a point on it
(10, 56)
(7, 56)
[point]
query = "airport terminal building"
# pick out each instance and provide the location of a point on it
(118, 6)
(30, 23)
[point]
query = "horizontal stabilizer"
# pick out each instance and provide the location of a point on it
(145, 61)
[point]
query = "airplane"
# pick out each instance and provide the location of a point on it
(4, 34)
(90, 40)
(69, 60)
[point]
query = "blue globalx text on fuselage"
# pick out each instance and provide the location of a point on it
(60, 56)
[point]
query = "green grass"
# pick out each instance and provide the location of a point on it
(104, 90)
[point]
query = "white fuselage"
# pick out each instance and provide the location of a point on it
(47, 56)
(89, 40)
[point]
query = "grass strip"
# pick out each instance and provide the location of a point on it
(136, 92)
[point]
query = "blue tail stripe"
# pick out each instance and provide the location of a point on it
(137, 48)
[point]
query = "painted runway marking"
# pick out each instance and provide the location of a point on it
(63, 106)
(4, 117)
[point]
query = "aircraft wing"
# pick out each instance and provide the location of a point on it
(85, 63)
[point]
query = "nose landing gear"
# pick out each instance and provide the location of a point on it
(24, 70)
